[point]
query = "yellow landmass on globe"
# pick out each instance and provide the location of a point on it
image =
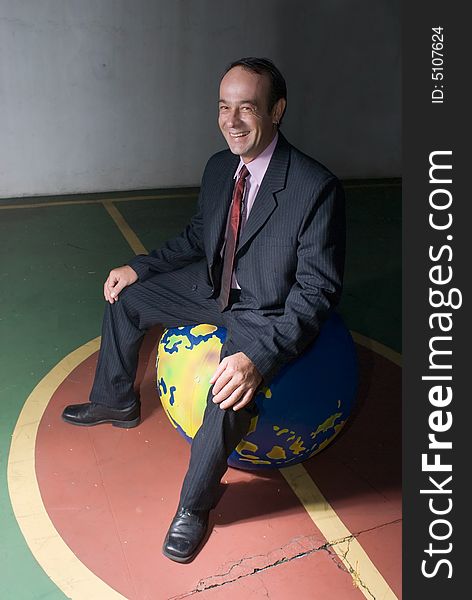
(244, 446)
(328, 424)
(297, 446)
(200, 330)
(253, 425)
(277, 453)
(324, 443)
(266, 392)
(171, 342)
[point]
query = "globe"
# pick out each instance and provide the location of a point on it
(302, 410)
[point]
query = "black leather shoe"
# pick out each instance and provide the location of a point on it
(89, 414)
(185, 534)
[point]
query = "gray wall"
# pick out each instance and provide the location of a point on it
(121, 94)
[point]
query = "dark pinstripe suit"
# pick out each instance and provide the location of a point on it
(289, 264)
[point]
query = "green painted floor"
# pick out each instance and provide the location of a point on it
(53, 260)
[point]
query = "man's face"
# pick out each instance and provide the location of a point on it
(244, 117)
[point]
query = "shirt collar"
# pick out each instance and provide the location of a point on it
(258, 167)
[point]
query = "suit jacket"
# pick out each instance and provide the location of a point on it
(289, 260)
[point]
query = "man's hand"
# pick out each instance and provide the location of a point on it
(117, 280)
(235, 381)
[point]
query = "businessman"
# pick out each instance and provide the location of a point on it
(263, 256)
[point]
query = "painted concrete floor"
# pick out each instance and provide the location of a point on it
(94, 504)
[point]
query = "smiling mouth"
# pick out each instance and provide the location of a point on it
(236, 136)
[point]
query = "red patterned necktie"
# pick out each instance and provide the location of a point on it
(232, 238)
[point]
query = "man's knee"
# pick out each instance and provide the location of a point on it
(127, 304)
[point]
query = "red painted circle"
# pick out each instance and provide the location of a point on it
(111, 494)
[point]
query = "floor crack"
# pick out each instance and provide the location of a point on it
(205, 584)
(353, 569)
(212, 581)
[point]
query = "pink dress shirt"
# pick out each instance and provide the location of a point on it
(257, 169)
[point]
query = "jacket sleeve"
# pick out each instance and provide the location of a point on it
(316, 290)
(175, 253)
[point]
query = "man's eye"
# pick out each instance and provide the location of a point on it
(223, 108)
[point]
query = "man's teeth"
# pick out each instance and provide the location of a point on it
(238, 134)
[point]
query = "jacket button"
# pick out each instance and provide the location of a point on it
(194, 287)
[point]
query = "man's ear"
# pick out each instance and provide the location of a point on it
(278, 110)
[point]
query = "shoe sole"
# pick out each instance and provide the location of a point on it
(186, 559)
(179, 559)
(114, 422)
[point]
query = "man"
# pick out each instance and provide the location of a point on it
(263, 256)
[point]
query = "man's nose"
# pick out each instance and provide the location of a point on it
(233, 118)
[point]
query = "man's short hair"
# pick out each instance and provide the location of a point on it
(264, 66)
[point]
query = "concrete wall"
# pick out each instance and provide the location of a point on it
(121, 94)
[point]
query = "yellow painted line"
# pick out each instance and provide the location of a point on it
(155, 197)
(378, 348)
(52, 553)
(125, 229)
(363, 571)
(96, 201)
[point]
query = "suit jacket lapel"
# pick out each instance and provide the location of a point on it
(265, 202)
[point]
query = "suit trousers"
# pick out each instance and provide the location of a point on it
(171, 299)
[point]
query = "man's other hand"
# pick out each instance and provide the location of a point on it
(117, 280)
(235, 381)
